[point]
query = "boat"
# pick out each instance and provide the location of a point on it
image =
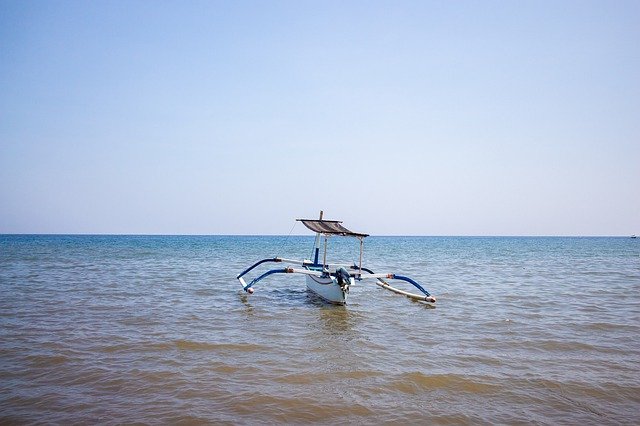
(332, 281)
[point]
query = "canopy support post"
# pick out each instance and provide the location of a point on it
(361, 248)
(316, 245)
(324, 259)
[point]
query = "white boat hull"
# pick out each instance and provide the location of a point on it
(328, 289)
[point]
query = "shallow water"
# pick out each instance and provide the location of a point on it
(155, 329)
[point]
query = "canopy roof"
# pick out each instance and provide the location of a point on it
(330, 227)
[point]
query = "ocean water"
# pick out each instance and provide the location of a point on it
(156, 329)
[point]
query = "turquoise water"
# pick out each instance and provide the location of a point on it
(155, 329)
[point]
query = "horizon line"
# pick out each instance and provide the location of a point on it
(106, 234)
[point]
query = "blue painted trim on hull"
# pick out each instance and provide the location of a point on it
(319, 282)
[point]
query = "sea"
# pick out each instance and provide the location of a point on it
(100, 329)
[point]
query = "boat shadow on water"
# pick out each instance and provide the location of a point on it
(313, 299)
(284, 296)
(288, 296)
(335, 319)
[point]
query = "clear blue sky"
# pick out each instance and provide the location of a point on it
(398, 117)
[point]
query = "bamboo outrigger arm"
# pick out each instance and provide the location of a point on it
(247, 287)
(425, 297)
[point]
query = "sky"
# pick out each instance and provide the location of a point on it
(397, 117)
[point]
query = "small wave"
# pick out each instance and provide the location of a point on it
(607, 326)
(228, 369)
(115, 348)
(573, 393)
(190, 345)
(310, 378)
(47, 360)
(297, 409)
(564, 346)
(417, 382)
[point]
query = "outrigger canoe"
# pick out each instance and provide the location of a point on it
(329, 281)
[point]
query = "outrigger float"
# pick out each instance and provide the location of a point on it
(332, 281)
